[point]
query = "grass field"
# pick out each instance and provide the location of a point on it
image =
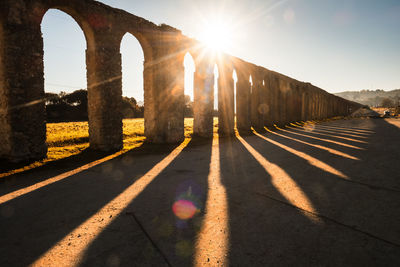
(67, 139)
(70, 138)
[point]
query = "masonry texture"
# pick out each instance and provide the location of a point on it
(271, 98)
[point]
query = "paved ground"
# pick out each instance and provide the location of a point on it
(327, 195)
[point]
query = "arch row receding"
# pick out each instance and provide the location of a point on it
(271, 98)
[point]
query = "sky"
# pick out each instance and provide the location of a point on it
(338, 45)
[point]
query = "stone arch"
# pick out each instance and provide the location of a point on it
(26, 134)
(141, 56)
(150, 122)
(225, 95)
(142, 39)
(132, 62)
(80, 19)
(64, 63)
(269, 94)
(243, 88)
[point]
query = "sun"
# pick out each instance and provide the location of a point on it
(216, 35)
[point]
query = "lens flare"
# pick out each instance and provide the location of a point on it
(187, 204)
(184, 209)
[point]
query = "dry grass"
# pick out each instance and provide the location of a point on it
(71, 138)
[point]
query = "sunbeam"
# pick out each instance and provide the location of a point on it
(367, 131)
(311, 160)
(321, 139)
(70, 250)
(366, 134)
(313, 130)
(318, 129)
(330, 150)
(213, 238)
(57, 178)
(281, 180)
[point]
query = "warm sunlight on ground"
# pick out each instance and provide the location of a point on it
(66, 139)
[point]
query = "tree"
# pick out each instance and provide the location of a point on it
(188, 107)
(52, 99)
(78, 97)
(387, 103)
(128, 107)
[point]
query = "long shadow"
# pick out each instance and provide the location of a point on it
(348, 147)
(267, 230)
(367, 207)
(310, 135)
(349, 224)
(71, 165)
(160, 226)
(32, 176)
(374, 167)
(34, 222)
(7, 165)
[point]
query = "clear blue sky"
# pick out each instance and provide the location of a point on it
(337, 45)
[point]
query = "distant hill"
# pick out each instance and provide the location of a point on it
(372, 98)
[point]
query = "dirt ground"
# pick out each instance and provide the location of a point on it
(326, 194)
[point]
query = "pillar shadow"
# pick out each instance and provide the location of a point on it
(82, 161)
(367, 203)
(267, 230)
(34, 222)
(376, 152)
(158, 227)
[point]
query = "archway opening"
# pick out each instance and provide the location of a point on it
(190, 68)
(235, 79)
(216, 109)
(132, 59)
(65, 85)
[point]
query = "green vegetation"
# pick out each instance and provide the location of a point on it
(74, 107)
(64, 107)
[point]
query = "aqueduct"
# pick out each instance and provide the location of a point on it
(271, 98)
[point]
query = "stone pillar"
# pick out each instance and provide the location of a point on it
(299, 100)
(275, 99)
(104, 80)
(290, 106)
(304, 104)
(269, 99)
(152, 129)
(313, 104)
(171, 74)
(254, 97)
(293, 107)
(164, 89)
(243, 86)
(225, 99)
(22, 105)
(203, 106)
(321, 105)
(257, 102)
(283, 103)
(318, 105)
(264, 109)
